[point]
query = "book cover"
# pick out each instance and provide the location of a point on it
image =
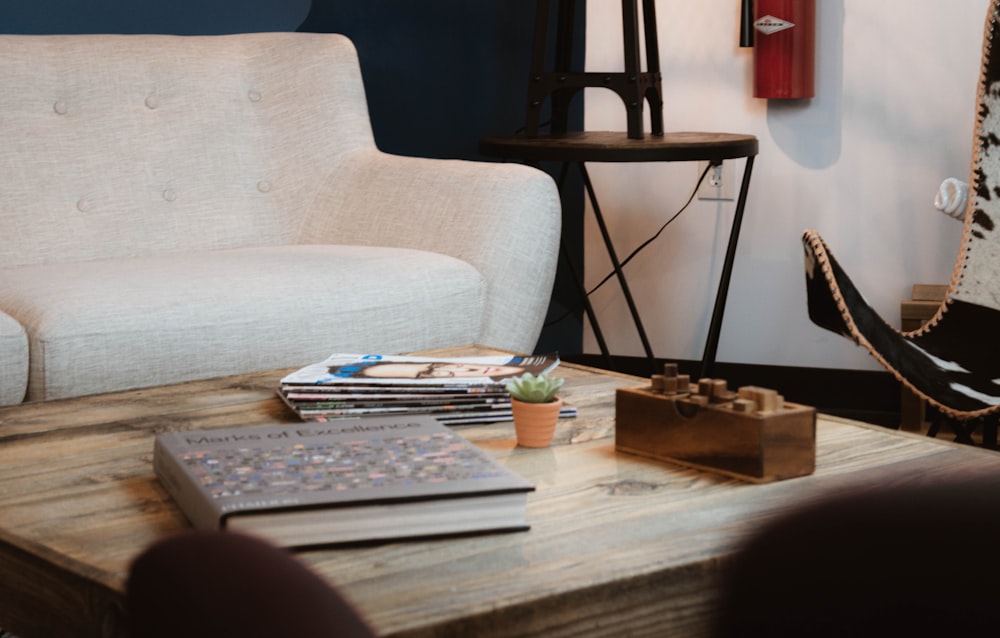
(346, 481)
(376, 369)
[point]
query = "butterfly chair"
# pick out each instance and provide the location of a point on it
(953, 362)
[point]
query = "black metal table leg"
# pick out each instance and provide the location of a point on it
(715, 325)
(580, 286)
(617, 265)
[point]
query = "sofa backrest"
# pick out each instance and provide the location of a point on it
(118, 145)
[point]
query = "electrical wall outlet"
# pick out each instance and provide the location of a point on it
(719, 183)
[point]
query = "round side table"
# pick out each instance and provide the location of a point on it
(577, 148)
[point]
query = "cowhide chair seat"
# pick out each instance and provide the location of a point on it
(953, 362)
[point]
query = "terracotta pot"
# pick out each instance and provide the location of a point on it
(535, 423)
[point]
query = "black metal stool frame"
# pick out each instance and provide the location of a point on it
(634, 86)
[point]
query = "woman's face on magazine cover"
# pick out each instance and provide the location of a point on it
(438, 370)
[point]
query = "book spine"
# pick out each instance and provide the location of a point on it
(186, 493)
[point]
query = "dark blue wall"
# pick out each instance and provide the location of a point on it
(439, 74)
(181, 17)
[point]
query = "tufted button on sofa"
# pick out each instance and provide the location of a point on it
(175, 208)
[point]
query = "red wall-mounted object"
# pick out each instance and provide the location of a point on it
(784, 48)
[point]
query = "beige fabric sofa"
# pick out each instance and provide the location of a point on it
(175, 208)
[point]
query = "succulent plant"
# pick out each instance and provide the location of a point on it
(532, 389)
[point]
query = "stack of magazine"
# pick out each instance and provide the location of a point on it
(455, 391)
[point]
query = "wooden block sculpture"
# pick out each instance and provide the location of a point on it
(752, 434)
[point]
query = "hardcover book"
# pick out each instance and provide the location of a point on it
(346, 481)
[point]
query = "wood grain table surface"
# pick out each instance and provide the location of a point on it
(619, 545)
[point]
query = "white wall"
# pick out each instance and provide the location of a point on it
(892, 117)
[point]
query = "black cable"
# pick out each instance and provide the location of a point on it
(641, 246)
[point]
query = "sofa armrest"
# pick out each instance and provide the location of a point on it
(504, 219)
(13, 361)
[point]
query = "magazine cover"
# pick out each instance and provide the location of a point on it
(376, 369)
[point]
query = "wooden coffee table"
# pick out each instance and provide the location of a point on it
(619, 545)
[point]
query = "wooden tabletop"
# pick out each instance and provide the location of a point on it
(618, 544)
(614, 146)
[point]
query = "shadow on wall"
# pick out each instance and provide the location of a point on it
(179, 17)
(809, 131)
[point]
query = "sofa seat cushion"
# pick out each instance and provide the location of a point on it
(13, 361)
(212, 313)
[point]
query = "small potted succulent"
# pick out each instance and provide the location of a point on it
(535, 407)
